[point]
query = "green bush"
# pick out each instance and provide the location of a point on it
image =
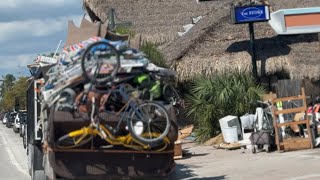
(124, 31)
(153, 54)
(212, 98)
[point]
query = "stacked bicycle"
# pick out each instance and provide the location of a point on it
(116, 84)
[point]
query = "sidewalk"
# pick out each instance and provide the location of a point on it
(207, 162)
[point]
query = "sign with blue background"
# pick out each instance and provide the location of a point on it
(248, 14)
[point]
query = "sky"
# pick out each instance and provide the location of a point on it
(32, 27)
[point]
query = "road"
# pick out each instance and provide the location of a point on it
(209, 163)
(205, 163)
(13, 158)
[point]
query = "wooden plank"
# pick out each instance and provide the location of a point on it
(292, 123)
(269, 97)
(276, 128)
(291, 98)
(177, 150)
(292, 110)
(295, 144)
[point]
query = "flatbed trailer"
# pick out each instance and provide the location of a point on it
(47, 162)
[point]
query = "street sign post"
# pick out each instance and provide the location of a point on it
(250, 15)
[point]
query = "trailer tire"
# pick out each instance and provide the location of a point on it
(15, 130)
(35, 157)
(39, 175)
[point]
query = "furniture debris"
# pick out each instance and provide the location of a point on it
(183, 133)
(262, 139)
(177, 150)
(230, 146)
(292, 142)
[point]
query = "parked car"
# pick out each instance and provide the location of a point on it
(23, 121)
(10, 120)
(5, 118)
(17, 120)
(2, 115)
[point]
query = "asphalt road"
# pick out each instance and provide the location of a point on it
(13, 158)
(205, 163)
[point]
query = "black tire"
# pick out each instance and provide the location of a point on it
(160, 124)
(268, 149)
(36, 168)
(254, 149)
(39, 175)
(170, 94)
(20, 131)
(67, 142)
(87, 55)
(24, 140)
(15, 130)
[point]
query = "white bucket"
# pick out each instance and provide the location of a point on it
(230, 134)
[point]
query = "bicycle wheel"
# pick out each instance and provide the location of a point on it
(170, 94)
(149, 123)
(74, 139)
(100, 62)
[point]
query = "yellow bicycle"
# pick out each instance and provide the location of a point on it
(84, 135)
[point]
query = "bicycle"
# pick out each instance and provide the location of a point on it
(141, 118)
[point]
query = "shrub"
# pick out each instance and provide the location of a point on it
(153, 54)
(212, 98)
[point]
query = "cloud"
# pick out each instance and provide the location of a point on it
(5, 4)
(16, 65)
(16, 30)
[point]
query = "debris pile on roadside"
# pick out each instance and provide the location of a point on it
(124, 97)
(283, 124)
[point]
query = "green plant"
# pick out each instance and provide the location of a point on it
(153, 54)
(212, 98)
(124, 31)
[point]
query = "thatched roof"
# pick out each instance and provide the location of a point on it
(214, 44)
(158, 20)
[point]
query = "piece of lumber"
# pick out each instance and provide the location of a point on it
(295, 144)
(291, 110)
(292, 123)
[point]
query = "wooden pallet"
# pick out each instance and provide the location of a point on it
(292, 143)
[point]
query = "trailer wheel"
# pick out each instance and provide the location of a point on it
(39, 175)
(36, 170)
(15, 130)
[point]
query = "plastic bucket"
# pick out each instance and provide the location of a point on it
(230, 134)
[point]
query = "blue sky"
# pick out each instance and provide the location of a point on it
(32, 27)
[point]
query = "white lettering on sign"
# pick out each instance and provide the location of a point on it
(251, 12)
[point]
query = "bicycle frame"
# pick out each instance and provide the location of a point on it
(131, 105)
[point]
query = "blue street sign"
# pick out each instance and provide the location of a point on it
(247, 14)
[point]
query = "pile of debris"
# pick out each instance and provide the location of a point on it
(101, 76)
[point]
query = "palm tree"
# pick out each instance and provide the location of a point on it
(212, 98)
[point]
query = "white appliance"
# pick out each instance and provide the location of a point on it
(229, 122)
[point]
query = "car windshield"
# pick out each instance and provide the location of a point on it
(24, 116)
(13, 115)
